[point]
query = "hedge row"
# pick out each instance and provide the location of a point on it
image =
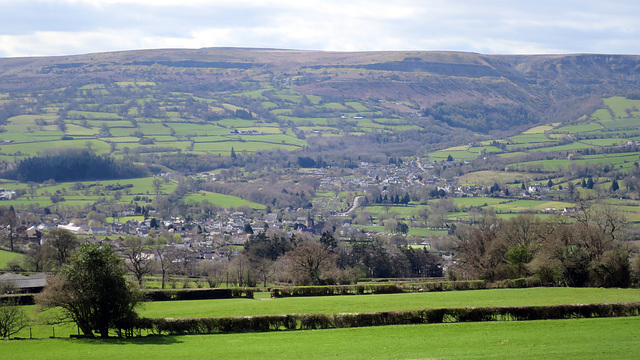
(264, 323)
(198, 294)
(398, 288)
(471, 285)
(336, 290)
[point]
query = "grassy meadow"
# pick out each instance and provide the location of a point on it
(262, 305)
(614, 338)
(6, 256)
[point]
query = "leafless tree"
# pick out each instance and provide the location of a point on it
(12, 319)
(309, 260)
(138, 261)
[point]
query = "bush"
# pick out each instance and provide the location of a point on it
(198, 294)
(335, 290)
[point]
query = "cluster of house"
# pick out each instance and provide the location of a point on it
(7, 194)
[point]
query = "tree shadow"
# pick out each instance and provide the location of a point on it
(141, 340)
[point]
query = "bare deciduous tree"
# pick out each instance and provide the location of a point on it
(12, 319)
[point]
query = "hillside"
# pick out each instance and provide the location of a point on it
(252, 116)
(407, 80)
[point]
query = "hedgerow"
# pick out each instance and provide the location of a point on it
(400, 287)
(263, 323)
(198, 294)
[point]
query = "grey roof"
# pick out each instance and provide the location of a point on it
(23, 282)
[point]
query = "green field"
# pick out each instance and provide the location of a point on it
(359, 303)
(614, 338)
(6, 256)
(224, 201)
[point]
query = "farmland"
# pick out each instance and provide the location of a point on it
(385, 162)
(598, 338)
(560, 336)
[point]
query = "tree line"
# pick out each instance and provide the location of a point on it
(73, 165)
(589, 251)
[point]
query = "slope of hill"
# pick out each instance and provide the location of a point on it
(539, 84)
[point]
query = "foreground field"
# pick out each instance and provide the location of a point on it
(615, 338)
(371, 303)
(355, 303)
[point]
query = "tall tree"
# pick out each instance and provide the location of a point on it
(137, 260)
(92, 291)
(10, 220)
(63, 243)
(309, 260)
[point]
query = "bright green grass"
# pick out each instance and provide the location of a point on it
(315, 99)
(225, 147)
(33, 148)
(539, 129)
(519, 205)
(196, 129)
(255, 94)
(357, 106)
(548, 165)
(305, 121)
(225, 201)
(566, 147)
(402, 211)
(633, 123)
(149, 129)
(612, 338)
(478, 149)
(92, 115)
(602, 115)
(476, 201)
(488, 177)
(572, 129)
(236, 123)
(6, 256)
(619, 105)
(76, 130)
(456, 155)
(124, 219)
(605, 142)
(529, 138)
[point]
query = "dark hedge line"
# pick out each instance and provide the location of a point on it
(198, 294)
(264, 323)
(401, 287)
(336, 290)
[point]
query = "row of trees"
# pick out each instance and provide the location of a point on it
(73, 165)
(586, 252)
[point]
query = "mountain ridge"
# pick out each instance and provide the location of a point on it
(541, 84)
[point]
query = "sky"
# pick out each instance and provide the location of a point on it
(67, 27)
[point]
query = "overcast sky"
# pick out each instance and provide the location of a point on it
(64, 27)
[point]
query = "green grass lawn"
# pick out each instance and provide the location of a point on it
(347, 304)
(6, 256)
(366, 303)
(224, 201)
(612, 338)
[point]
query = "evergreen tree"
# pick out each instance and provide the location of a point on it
(614, 185)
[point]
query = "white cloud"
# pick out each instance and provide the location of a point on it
(57, 27)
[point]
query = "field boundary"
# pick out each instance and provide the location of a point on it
(265, 323)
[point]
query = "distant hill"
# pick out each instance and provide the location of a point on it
(551, 87)
(167, 106)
